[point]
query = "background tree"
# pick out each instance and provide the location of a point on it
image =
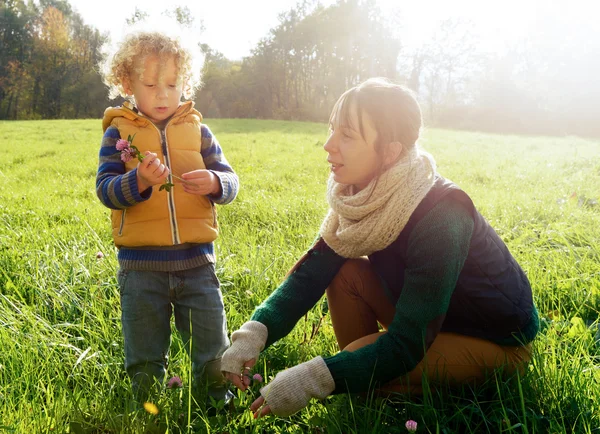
(307, 61)
(47, 67)
(15, 52)
(545, 82)
(443, 71)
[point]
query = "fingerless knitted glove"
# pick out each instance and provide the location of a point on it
(291, 389)
(246, 344)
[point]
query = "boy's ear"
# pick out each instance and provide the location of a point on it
(392, 153)
(184, 87)
(127, 86)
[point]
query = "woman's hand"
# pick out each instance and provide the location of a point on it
(241, 380)
(291, 390)
(257, 410)
(246, 344)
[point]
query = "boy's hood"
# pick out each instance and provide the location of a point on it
(128, 111)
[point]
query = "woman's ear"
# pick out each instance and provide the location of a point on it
(392, 153)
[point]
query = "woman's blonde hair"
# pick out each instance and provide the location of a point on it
(123, 61)
(392, 108)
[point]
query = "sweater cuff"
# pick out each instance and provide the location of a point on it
(229, 187)
(131, 192)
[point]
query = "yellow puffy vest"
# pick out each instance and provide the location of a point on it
(167, 218)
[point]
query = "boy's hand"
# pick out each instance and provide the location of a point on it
(201, 182)
(151, 171)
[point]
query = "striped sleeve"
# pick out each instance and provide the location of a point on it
(215, 161)
(115, 187)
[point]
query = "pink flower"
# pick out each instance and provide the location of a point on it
(126, 155)
(258, 378)
(174, 382)
(99, 255)
(128, 151)
(122, 144)
(411, 426)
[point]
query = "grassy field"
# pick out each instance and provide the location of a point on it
(61, 356)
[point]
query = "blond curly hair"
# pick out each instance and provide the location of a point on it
(120, 63)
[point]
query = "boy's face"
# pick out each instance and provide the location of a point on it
(157, 90)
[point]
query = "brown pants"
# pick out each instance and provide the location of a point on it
(357, 303)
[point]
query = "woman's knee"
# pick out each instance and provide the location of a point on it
(351, 277)
(363, 342)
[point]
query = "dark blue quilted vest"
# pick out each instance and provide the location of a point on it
(492, 298)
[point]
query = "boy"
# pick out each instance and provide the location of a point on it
(164, 235)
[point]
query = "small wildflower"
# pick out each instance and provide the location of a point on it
(411, 425)
(150, 408)
(174, 382)
(99, 255)
(129, 152)
(126, 156)
(122, 144)
(258, 378)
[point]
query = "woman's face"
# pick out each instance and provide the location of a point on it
(352, 157)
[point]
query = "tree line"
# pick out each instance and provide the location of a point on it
(543, 84)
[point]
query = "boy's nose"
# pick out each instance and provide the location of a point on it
(162, 92)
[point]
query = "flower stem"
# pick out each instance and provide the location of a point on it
(182, 180)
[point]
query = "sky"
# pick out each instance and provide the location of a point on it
(234, 27)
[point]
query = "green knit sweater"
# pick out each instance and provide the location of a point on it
(437, 249)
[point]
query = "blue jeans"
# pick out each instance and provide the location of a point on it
(147, 300)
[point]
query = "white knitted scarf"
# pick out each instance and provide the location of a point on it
(370, 220)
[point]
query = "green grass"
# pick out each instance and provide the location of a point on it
(61, 356)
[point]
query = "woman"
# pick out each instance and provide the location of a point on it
(401, 247)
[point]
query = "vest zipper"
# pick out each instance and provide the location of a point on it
(170, 200)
